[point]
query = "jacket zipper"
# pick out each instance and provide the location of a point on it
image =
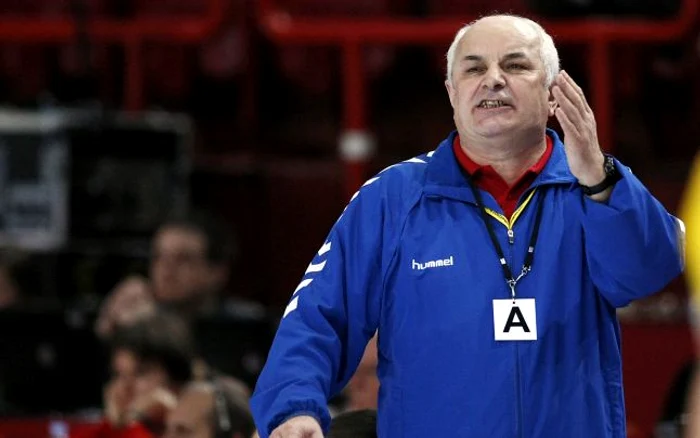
(518, 383)
(518, 399)
(509, 223)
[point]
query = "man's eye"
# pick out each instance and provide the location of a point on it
(517, 67)
(474, 69)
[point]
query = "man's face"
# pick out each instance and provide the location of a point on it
(180, 271)
(149, 377)
(135, 377)
(192, 418)
(498, 59)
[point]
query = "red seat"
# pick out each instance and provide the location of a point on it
(477, 8)
(343, 8)
(21, 7)
(313, 68)
(167, 68)
(169, 7)
(24, 71)
(25, 68)
(226, 54)
(46, 8)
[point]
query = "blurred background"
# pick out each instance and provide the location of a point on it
(189, 157)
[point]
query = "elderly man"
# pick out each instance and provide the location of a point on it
(491, 267)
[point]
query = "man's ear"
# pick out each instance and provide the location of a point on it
(551, 103)
(450, 92)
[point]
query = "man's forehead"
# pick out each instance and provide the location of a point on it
(178, 237)
(504, 24)
(499, 37)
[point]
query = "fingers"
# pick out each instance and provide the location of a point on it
(567, 125)
(298, 427)
(573, 92)
(568, 115)
(296, 433)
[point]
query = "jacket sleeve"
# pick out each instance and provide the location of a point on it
(331, 315)
(633, 245)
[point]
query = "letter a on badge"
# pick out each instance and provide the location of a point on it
(515, 321)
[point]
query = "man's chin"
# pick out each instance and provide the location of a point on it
(495, 130)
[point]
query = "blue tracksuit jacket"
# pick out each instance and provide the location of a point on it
(411, 257)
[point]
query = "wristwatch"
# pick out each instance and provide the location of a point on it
(611, 177)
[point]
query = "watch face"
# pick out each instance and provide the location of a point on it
(609, 165)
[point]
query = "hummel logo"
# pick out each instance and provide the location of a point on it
(433, 263)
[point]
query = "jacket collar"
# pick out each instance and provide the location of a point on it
(445, 178)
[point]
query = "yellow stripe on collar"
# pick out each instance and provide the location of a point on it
(508, 223)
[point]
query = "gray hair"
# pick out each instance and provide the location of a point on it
(548, 51)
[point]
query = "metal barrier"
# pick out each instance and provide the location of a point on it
(132, 34)
(350, 34)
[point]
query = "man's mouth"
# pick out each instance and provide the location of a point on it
(489, 104)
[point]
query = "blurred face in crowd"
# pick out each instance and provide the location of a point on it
(135, 377)
(363, 388)
(180, 271)
(193, 417)
(498, 81)
(130, 301)
(124, 371)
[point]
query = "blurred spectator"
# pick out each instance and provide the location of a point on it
(363, 389)
(691, 215)
(130, 301)
(355, 424)
(190, 265)
(189, 272)
(151, 360)
(215, 408)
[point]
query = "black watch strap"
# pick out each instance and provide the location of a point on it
(611, 177)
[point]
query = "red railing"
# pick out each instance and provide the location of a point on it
(350, 34)
(132, 34)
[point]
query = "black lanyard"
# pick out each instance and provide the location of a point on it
(529, 256)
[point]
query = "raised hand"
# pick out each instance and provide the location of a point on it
(576, 118)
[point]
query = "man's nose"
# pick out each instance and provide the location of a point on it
(494, 79)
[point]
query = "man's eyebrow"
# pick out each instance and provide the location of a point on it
(473, 58)
(515, 55)
(507, 57)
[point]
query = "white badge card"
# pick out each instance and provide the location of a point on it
(515, 321)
